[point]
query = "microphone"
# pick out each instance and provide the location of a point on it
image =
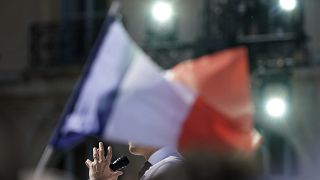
(119, 163)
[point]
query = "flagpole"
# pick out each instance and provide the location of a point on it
(49, 150)
(114, 8)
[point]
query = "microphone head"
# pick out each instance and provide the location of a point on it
(119, 163)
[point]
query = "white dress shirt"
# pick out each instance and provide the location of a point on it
(161, 160)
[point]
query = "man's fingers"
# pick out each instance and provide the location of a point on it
(109, 155)
(88, 163)
(117, 173)
(94, 166)
(95, 154)
(101, 151)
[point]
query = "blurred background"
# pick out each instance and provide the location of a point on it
(44, 45)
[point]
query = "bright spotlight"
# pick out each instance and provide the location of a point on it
(162, 11)
(276, 107)
(288, 5)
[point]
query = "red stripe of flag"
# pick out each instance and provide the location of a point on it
(221, 117)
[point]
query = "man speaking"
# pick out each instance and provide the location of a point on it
(158, 160)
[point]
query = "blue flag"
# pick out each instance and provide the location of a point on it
(90, 105)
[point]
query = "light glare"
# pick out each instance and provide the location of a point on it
(276, 107)
(162, 11)
(288, 5)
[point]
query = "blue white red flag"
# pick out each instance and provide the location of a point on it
(124, 96)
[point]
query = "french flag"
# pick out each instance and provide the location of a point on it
(124, 96)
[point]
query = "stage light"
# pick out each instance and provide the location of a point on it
(162, 11)
(276, 98)
(276, 107)
(288, 5)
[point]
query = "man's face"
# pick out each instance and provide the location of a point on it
(136, 149)
(141, 150)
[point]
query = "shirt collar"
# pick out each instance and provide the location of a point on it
(163, 153)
